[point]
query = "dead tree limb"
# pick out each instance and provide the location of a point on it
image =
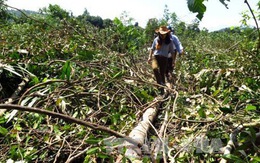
(232, 143)
(255, 23)
(71, 120)
(156, 147)
(139, 134)
(39, 85)
(23, 13)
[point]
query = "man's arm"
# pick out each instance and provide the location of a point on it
(150, 55)
(177, 44)
(174, 54)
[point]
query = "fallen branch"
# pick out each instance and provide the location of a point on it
(23, 13)
(139, 134)
(258, 30)
(232, 143)
(71, 120)
(156, 147)
(39, 85)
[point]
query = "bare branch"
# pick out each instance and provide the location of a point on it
(42, 22)
(71, 120)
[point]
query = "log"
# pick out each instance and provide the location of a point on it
(133, 152)
(139, 134)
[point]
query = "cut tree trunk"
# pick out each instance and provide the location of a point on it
(139, 134)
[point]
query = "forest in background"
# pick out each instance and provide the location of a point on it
(94, 73)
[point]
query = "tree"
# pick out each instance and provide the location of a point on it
(173, 19)
(55, 11)
(86, 13)
(180, 28)
(95, 20)
(151, 25)
(107, 23)
(166, 14)
(126, 19)
(3, 12)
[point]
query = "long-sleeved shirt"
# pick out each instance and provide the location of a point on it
(165, 48)
(177, 44)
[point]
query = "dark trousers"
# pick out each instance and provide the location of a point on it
(170, 74)
(159, 66)
(169, 69)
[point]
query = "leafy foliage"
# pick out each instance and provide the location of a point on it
(197, 6)
(55, 11)
(3, 12)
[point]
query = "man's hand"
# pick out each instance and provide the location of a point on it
(149, 60)
(173, 64)
(182, 53)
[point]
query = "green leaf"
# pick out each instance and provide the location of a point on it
(226, 109)
(250, 108)
(13, 151)
(231, 157)
(252, 133)
(3, 131)
(223, 2)
(34, 80)
(103, 156)
(117, 75)
(15, 56)
(66, 71)
(202, 113)
(43, 154)
(87, 159)
(67, 127)
(92, 150)
(2, 120)
(86, 55)
(197, 6)
(255, 158)
(146, 95)
(115, 118)
(92, 140)
(216, 93)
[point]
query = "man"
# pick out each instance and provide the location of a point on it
(172, 58)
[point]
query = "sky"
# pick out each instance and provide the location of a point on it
(216, 17)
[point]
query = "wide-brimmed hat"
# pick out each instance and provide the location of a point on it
(162, 30)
